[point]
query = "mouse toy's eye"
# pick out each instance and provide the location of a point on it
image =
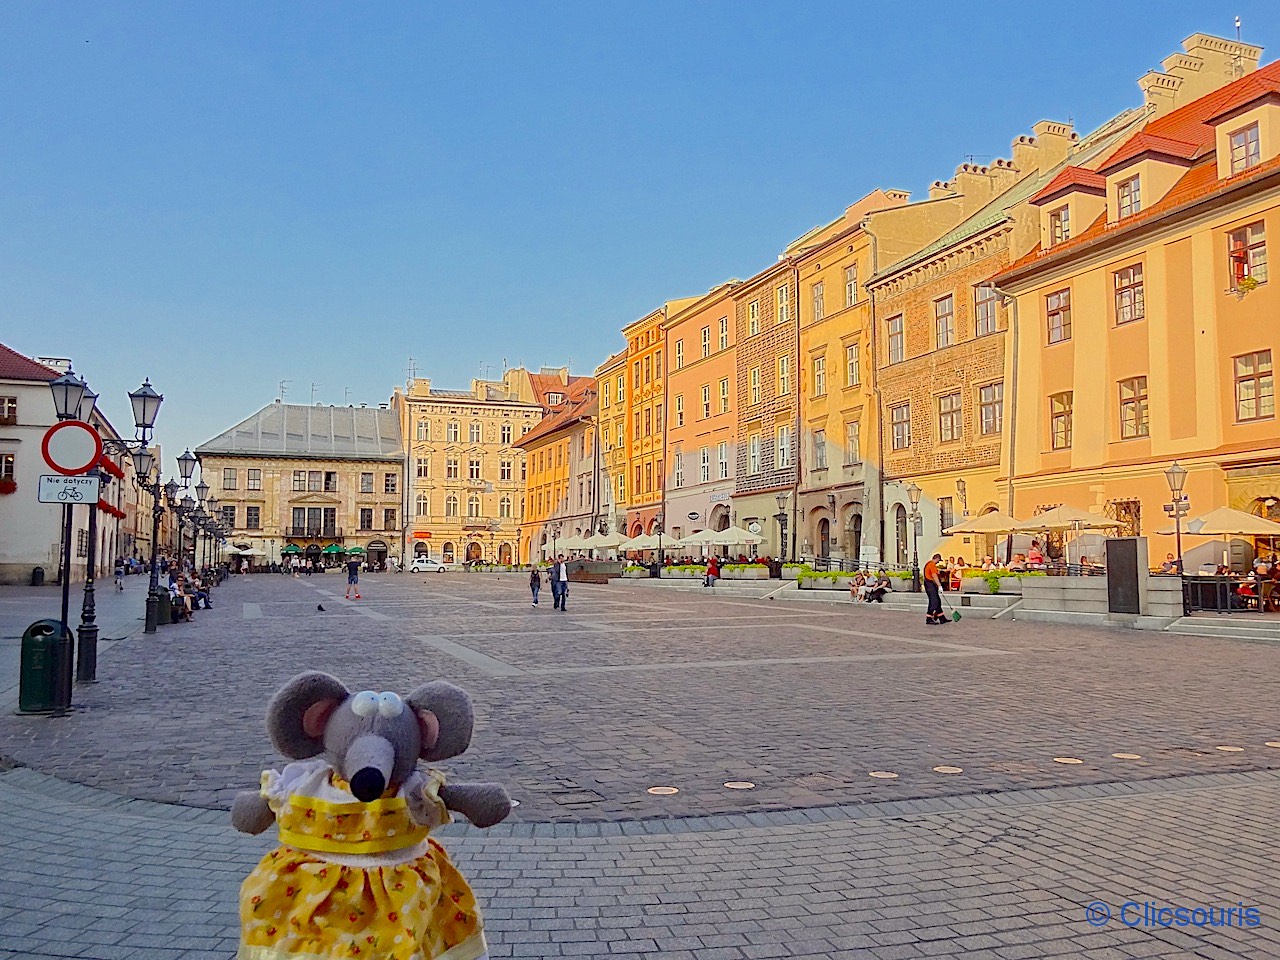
(390, 704)
(365, 703)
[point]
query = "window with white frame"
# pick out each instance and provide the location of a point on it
(1134, 420)
(819, 449)
(1255, 386)
(422, 505)
(621, 387)
(1248, 252)
(473, 506)
(228, 478)
(1129, 296)
(950, 423)
(422, 467)
(473, 469)
(8, 411)
(424, 429)
(753, 318)
(366, 482)
(254, 479)
(754, 381)
(1060, 415)
(984, 309)
(724, 395)
(504, 508)
(897, 339)
(753, 453)
(451, 505)
(679, 409)
(704, 471)
(784, 376)
(706, 341)
(853, 442)
(900, 424)
(504, 469)
(1129, 197)
(1060, 225)
(622, 488)
(785, 453)
(722, 460)
(679, 354)
(1245, 152)
(451, 469)
(452, 432)
(944, 321)
(724, 333)
(783, 294)
(506, 433)
(706, 400)
(678, 473)
(852, 371)
(819, 376)
(818, 296)
(991, 408)
(1058, 316)
(851, 285)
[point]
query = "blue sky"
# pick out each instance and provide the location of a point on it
(223, 196)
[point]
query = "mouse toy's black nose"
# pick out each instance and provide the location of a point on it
(368, 784)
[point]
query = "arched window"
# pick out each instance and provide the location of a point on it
(451, 432)
(475, 431)
(473, 506)
(447, 551)
(504, 507)
(451, 506)
(423, 505)
(424, 429)
(504, 553)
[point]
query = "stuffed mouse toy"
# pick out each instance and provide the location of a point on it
(356, 874)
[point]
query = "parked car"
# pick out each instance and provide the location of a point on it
(427, 565)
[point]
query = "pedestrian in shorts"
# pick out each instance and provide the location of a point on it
(353, 578)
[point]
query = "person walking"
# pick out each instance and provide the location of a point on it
(559, 578)
(933, 587)
(535, 583)
(353, 577)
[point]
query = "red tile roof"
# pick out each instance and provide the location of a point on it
(582, 401)
(1070, 177)
(14, 366)
(1187, 130)
(545, 383)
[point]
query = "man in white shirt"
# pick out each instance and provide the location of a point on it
(559, 577)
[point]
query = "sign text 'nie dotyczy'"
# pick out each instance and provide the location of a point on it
(59, 489)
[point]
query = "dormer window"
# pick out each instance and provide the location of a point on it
(1245, 152)
(1059, 225)
(1129, 197)
(555, 398)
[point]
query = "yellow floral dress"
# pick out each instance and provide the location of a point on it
(354, 879)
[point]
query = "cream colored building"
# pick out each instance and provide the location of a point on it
(466, 477)
(311, 476)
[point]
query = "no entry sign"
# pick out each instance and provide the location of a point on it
(71, 447)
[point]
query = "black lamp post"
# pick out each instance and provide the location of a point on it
(146, 407)
(913, 493)
(87, 649)
(1176, 476)
(68, 394)
(781, 517)
(658, 529)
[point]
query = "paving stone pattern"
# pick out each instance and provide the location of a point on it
(581, 712)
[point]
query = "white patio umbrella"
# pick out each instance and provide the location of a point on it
(735, 536)
(607, 541)
(993, 522)
(1228, 522)
(700, 539)
(572, 543)
(1065, 518)
(646, 541)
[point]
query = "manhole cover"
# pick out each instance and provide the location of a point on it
(1230, 749)
(1067, 760)
(945, 769)
(663, 791)
(740, 785)
(883, 775)
(1127, 756)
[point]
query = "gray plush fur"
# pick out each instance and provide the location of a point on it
(374, 753)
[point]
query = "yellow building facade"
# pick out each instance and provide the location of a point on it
(465, 473)
(611, 380)
(563, 457)
(1144, 329)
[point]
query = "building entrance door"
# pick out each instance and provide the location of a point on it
(824, 538)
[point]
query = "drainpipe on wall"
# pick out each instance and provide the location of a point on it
(879, 405)
(1011, 369)
(795, 487)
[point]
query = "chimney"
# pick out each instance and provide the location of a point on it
(898, 196)
(1055, 141)
(1208, 64)
(1004, 173)
(1026, 153)
(939, 189)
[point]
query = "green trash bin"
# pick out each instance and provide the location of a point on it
(164, 608)
(38, 677)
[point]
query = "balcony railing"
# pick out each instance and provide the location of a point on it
(315, 533)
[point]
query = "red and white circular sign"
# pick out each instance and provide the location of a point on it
(71, 447)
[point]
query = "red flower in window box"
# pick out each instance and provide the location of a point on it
(8, 486)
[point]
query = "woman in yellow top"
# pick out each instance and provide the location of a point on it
(356, 874)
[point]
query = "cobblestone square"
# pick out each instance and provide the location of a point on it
(908, 797)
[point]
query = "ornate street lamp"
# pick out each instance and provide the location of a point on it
(143, 461)
(781, 517)
(68, 391)
(657, 526)
(187, 466)
(1176, 476)
(88, 401)
(146, 407)
(202, 491)
(913, 494)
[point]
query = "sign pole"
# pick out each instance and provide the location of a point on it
(62, 698)
(87, 651)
